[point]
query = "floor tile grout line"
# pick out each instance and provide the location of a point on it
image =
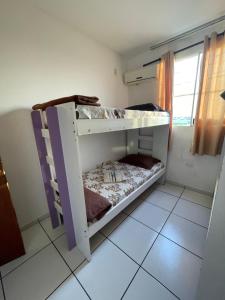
(26, 260)
(181, 246)
(127, 215)
(66, 265)
(58, 286)
(147, 202)
(58, 237)
(36, 223)
(132, 279)
(171, 211)
(196, 203)
(157, 205)
(1, 283)
(190, 220)
(158, 233)
(168, 193)
(123, 251)
(72, 271)
(158, 236)
(143, 224)
(140, 265)
(115, 227)
(82, 286)
(159, 282)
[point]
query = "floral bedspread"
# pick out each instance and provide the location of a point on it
(115, 192)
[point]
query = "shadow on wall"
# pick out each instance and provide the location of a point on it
(20, 159)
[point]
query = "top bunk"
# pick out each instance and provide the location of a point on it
(93, 119)
(89, 117)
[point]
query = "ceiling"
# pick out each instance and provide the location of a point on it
(124, 25)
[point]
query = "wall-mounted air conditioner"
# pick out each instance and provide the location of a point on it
(139, 75)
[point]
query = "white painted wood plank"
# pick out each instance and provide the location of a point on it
(71, 153)
(45, 133)
(160, 143)
(55, 185)
(86, 126)
(132, 141)
(50, 160)
(145, 138)
(58, 208)
(144, 151)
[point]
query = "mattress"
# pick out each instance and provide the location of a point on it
(115, 192)
(93, 112)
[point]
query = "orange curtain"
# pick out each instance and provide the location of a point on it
(210, 117)
(165, 83)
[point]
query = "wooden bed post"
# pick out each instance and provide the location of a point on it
(45, 170)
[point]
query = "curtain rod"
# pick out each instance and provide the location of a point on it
(178, 51)
(189, 32)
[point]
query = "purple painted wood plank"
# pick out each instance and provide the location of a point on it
(57, 151)
(45, 170)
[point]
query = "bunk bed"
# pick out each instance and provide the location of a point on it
(57, 131)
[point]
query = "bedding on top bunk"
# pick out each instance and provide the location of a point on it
(78, 99)
(92, 112)
(115, 192)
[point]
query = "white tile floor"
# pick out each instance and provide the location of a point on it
(153, 250)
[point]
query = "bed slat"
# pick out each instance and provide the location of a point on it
(45, 133)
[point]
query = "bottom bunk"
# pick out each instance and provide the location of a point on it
(113, 185)
(125, 201)
(108, 189)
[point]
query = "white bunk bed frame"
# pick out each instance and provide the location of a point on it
(57, 133)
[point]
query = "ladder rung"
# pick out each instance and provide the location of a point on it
(50, 160)
(145, 151)
(58, 207)
(145, 138)
(54, 185)
(45, 133)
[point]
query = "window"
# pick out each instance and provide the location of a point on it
(186, 87)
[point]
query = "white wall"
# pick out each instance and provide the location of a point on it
(101, 147)
(142, 93)
(198, 172)
(42, 59)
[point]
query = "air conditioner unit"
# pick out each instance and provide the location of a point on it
(139, 75)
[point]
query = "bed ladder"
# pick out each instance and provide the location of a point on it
(52, 167)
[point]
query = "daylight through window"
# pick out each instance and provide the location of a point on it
(185, 89)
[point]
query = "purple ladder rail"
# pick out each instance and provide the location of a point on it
(57, 151)
(45, 170)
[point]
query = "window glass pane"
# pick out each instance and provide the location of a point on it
(182, 109)
(185, 75)
(185, 89)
